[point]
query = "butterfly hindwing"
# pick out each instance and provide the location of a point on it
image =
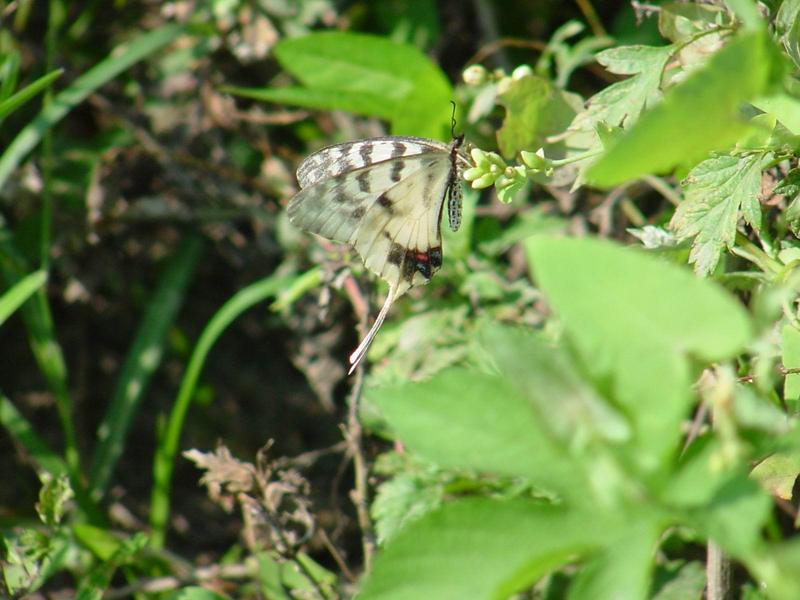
(400, 237)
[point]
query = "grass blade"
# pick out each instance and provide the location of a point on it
(143, 359)
(19, 293)
(117, 61)
(170, 436)
(21, 97)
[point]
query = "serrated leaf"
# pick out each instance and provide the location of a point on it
(535, 109)
(366, 75)
(448, 420)
(699, 115)
(402, 499)
(622, 102)
(787, 26)
(715, 192)
(678, 22)
(480, 549)
(789, 186)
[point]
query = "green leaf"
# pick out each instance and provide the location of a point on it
(480, 549)
(535, 109)
(544, 374)
(623, 102)
(194, 592)
(791, 360)
(467, 420)
(53, 498)
(678, 22)
(623, 297)
(778, 472)
(787, 26)
(22, 432)
(622, 569)
(400, 500)
(19, 293)
(738, 511)
(680, 581)
(366, 75)
(716, 191)
(9, 105)
(786, 108)
(100, 542)
(697, 116)
(636, 319)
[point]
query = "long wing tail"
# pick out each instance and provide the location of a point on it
(360, 352)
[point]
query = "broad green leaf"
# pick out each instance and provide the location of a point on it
(697, 116)
(735, 516)
(716, 191)
(535, 109)
(681, 581)
(480, 549)
(636, 318)
(623, 297)
(469, 420)
(622, 569)
(360, 102)
(786, 109)
(791, 360)
(545, 376)
(777, 567)
(366, 75)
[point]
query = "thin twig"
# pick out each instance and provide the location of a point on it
(360, 493)
(591, 17)
(337, 556)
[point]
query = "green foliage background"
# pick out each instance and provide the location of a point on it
(596, 397)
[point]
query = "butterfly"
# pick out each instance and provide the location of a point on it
(384, 197)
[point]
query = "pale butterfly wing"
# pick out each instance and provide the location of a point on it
(349, 156)
(384, 197)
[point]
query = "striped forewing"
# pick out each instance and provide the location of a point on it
(332, 161)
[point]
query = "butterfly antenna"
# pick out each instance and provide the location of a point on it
(360, 352)
(453, 120)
